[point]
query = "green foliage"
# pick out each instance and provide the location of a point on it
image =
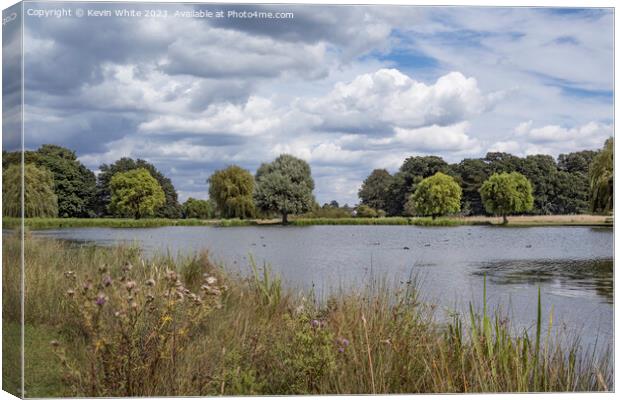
(507, 193)
(471, 174)
(364, 211)
(200, 209)
(74, 184)
(39, 197)
(284, 186)
(135, 193)
(602, 179)
(411, 173)
(330, 210)
(171, 207)
(232, 190)
(437, 195)
(374, 190)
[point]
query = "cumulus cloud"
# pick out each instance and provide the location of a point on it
(388, 99)
(554, 139)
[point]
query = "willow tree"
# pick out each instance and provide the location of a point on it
(436, 195)
(284, 186)
(231, 189)
(39, 197)
(135, 193)
(507, 193)
(602, 179)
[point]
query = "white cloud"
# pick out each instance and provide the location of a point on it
(387, 98)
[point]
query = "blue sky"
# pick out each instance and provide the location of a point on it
(347, 88)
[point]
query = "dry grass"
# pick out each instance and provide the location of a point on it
(263, 339)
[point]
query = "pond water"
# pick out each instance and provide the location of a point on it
(572, 266)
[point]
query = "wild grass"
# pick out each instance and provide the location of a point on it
(252, 336)
(517, 221)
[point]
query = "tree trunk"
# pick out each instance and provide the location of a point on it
(284, 219)
(434, 216)
(505, 219)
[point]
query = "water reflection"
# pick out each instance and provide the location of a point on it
(565, 277)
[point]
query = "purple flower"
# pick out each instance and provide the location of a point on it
(340, 349)
(101, 299)
(345, 342)
(315, 323)
(107, 281)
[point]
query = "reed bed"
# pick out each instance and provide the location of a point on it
(119, 325)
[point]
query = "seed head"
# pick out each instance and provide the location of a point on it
(150, 282)
(130, 285)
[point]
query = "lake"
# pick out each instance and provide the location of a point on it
(572, 266)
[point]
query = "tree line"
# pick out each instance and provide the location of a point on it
(59, 185)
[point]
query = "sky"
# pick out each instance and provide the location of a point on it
(346, 88)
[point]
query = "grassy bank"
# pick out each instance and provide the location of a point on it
(105, 322)
(543, 220)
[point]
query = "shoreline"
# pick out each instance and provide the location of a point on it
(515, 221)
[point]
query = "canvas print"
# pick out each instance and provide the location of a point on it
(205, 199)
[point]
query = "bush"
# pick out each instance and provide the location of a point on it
(363, 211)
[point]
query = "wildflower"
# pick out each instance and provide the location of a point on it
(55, 343)
(101, 299)
(70, 292)
(344, 342)
(107, 281)
(87, 285)
(130, 285)
(117, 314)
(150, 282)
(211, 280)
(340, 349)
(315, 323)
(127, 267)
(134, 305)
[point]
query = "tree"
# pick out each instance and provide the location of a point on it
(437, 195)
(602, 179)
(284, 186)
(374, 191)
(39, 197)
(232, 190)
(404, 182)
(471, 174)
(365, 211)
(74, 184)
(507, 193)
(171, 207)
(542, 172)
(201, 209)
(135, 193)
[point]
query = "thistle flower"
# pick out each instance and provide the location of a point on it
(130, 285)
(134, 305)
(344, 342)
(101, 299)
(340, 349)
(127, 267)
(211, 280)
(315, 323)
(55, 343)
(150, 282)
(70, 292)
(107, 281)
(87, 285)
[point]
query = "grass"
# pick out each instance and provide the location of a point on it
(523, 221)
(251, 336)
